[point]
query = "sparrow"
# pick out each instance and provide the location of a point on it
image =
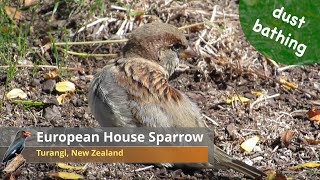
(16, 147)
(134, 90)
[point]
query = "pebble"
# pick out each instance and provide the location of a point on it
(248, 161)
(48, 85)
(259, 158)
(52, 114)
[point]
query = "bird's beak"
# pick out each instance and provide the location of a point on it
(187, 53)
(26, 134)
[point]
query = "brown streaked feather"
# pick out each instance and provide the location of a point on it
(144, 79)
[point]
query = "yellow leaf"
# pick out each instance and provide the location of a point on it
(257, 93)
(249, 144)
(65, 86)
(286, 84)
(275, 175)
(307, 164)
(66, 166)
(14, 93)
(65, 175)
(237, 98)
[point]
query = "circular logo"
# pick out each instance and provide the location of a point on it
(286, 31)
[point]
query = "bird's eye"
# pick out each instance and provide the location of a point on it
(177, 47)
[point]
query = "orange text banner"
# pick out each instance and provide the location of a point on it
(129, 154)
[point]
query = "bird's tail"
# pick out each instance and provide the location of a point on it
(227, 161)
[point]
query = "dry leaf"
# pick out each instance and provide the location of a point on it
(237, 98)
(65, 86)
(257, 93)
(66, 166)
(12, 177)
(65, 175)
(286, 84)
(16, 92)
(13, 13)
(314, 114)
(62, 98)
(307, 164)
(286, 137)
(51, 74)
(275, 175)
(45, 44)
(249, 144)
(312, 141)
(29, 2)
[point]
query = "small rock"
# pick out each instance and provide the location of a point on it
(52, 114)
(232, 131)
(248, 161)
(257, 159)
(257, 149)
(91, 177)
(35, 82)
(3, 77)
(48, 85)
(76, 101)
(50, 100)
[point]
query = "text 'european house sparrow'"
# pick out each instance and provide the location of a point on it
(133, 91)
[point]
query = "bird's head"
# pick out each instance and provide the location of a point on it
(158, 42)
(24, 134)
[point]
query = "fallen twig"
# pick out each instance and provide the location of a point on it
(144, 168)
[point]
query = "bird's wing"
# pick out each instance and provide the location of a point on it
(147, 81)
(136, 92)
(15, 147)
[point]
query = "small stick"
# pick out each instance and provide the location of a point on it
(144, 168)
(211, 120)
(91, 42)
(43, 66)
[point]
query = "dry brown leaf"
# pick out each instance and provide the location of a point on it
(286, 137)
(29, 2)
(307, 164)
(62, 98)
(51, 74)
(13, 13)
(314, 114)
(65, 175)
(11, 177)
(312, 141)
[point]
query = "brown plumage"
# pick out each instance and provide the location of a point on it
(134, 91)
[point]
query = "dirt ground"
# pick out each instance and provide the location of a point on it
(227, 66)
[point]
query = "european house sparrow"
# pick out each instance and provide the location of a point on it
(133, 91)
(16, 147)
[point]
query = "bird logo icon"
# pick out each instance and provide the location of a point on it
(16, 147)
